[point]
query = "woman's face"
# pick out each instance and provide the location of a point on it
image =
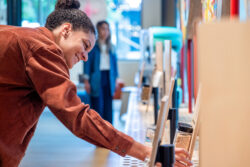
(76, 45)
(103, 31)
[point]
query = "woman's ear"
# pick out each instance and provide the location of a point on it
(66, 30)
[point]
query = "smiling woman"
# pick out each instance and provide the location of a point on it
(42, 58)
(73, 31)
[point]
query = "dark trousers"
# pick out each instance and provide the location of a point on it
(103, 103)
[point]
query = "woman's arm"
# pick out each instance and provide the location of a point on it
(139, 151)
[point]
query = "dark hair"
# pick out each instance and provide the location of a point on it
(68, 11)
(108, 40)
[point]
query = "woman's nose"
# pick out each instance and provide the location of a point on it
(84, 54)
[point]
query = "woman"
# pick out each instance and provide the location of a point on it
(34, 73)
(101, 73)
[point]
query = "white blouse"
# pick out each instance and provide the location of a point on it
(104, 58)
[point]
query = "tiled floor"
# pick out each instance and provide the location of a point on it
(53, 145)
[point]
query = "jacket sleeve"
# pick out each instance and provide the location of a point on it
(49, 75)
(115, 62)
(89, 64)
(116, 67)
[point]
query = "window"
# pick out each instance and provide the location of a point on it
(3, 13)
(125, 23)
(35, 12)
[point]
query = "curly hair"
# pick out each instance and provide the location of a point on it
(68, 11)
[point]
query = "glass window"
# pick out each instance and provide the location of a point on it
(125, 23)
(3, 13)
(35, 12)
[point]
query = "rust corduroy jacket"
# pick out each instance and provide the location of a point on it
(34, 74)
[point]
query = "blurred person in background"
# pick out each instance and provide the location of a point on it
(101, 72)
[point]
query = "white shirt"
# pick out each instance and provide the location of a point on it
(104, 58)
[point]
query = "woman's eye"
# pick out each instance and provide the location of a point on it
(85, 45)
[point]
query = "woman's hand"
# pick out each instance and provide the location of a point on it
(87, 86)
(182, 158)
(141, 151)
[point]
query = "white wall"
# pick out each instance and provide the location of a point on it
(151, 13)
(127, 71)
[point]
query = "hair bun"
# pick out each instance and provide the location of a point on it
(67, 4)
